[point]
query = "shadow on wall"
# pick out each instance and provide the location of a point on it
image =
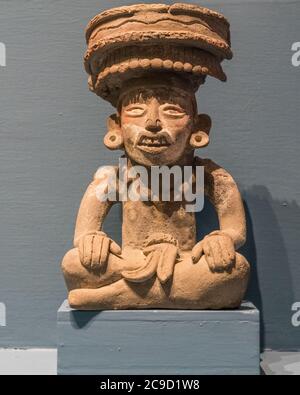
(271, 225)
(270, 286)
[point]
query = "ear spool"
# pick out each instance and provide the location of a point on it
(113, 139)
(200, 138)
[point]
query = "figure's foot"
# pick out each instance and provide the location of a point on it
(121, 295)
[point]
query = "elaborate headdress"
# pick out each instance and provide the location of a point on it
(128, 42)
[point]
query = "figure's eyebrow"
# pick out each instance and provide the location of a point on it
(135, 104)
(162, 96)
(179, 104)
(134, 100)
(173, 104)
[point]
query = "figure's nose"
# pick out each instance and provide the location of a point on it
(153, 123)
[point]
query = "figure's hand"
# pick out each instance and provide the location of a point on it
(94, 249)
(161, 255)
(218, 249)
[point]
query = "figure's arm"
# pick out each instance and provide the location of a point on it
(94, 245)
(219, 246)
(91, 213)
(223, 193)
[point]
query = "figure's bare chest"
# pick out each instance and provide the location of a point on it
(140, 219)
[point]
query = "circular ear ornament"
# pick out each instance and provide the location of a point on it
(113, 140)
(199, 139)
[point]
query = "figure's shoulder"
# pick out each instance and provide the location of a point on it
(103, 179)
(214, 170)
(106, 173)
(209, 165)
(104, 184)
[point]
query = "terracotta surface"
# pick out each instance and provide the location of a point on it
(148, 61)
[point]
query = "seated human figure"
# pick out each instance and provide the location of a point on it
(160, 263)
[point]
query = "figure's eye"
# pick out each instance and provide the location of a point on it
(174, 111)
(135, 111)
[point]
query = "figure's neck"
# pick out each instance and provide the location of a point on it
(185, 160)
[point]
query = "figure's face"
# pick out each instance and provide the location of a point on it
(156, 125)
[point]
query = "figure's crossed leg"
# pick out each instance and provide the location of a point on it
(193, 286)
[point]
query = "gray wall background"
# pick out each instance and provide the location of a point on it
(51, 130)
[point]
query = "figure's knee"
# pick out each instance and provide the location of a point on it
(70, 262)
(232, 286)
(78, 276)
(73, 270)
(242, 266)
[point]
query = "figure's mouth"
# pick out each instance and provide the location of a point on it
(154, 143)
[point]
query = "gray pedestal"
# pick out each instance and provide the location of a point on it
(158, 341)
